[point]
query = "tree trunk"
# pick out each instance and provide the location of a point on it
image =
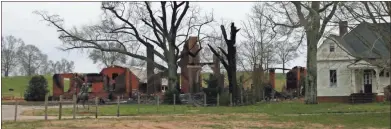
(150, 70)
(172, 67)
(261, 87)
(312, 33)
(283, 67)
(311, 88)
(6, 72)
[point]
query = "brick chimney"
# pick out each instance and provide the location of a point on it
(272, 78)
(343, 28)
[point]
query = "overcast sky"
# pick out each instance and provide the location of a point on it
(18, 20)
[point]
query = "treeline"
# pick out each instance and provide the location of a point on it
(20, 59)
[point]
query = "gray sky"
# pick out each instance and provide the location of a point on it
(18, 20)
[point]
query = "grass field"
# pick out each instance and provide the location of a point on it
(269, 108)
(261, 115)
(20, 83)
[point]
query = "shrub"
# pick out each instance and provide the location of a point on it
(387, 93)
(168, 97)
(212, 90)
(36, 89)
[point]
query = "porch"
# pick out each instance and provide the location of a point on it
(368, 83)
(368, 79)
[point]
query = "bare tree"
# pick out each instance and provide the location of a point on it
(31, 59)
(152, 24)
(257, 41)
(67, 66)
(62, 66)
(287, 51)
(9, 48)
(53, 66)
(228, 59)
(108, 58)
(45, 67)
(313, 17)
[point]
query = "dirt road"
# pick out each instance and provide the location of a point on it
(8, 112)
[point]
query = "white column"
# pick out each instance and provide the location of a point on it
(361, 75)
(353, 74)
(377, 80)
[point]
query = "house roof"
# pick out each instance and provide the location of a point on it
(367, 40)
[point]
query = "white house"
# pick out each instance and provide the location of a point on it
(354, 62)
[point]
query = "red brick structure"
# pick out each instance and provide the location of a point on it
(58, 85)
(190, 77)
(272, 76)
(126, 83)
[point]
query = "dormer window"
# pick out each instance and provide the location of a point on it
(332, 47)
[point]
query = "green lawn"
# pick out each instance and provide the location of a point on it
(284, 113)
(20, 83)
(349, 121)
(269, 108)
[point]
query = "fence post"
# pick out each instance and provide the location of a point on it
(117, 106)
(138, 102)
(88, 105)
(74, 106)
(16, 109)
(218, 99)
(205, 99)
(174, 101)
(96, 107)
(46, 106)
(60, 108)
(230, 99)
(190, 99)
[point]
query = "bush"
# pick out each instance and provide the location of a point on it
(168, 97)
(212, 90)
(387, 93)
(36, 89)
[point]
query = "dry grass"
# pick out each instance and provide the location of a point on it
(177, 122)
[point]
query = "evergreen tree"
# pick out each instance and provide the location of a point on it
(36, 89)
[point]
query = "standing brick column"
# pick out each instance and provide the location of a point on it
(272, 77)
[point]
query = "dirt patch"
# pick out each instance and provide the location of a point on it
(178, 122)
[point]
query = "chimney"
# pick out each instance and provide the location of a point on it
(272, 77)
(343, 28)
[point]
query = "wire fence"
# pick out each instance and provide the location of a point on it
(70, 109)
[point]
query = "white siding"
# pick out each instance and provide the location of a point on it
(344, 83)
(338, 54)
(337, 60)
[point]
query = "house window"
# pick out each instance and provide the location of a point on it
(332, 47)
(333, 78)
